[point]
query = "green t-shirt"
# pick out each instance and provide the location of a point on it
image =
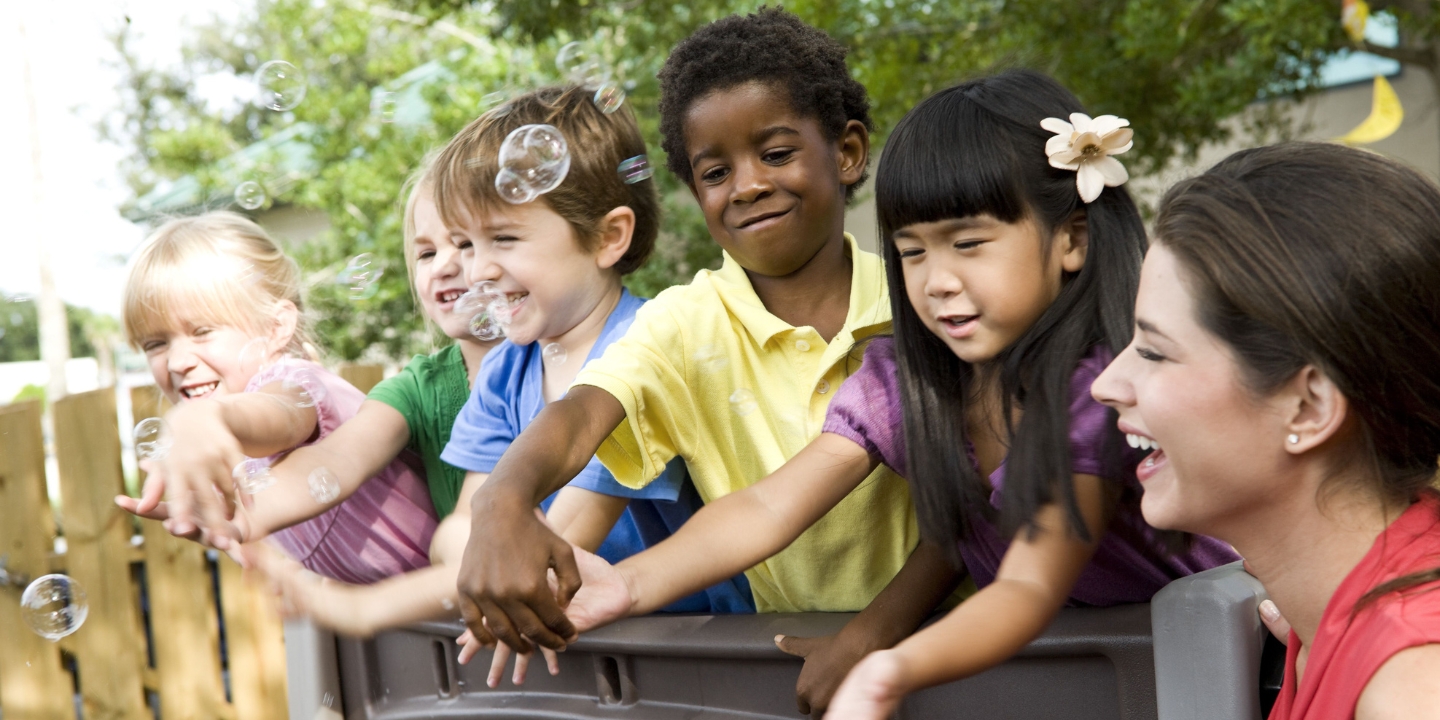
(429, 393)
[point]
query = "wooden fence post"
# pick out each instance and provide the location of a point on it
(33, 685)
(109, 648)
(256, 641)
(184, 627)
(363, 377)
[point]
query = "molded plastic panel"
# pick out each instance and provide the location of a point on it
(1208, 645)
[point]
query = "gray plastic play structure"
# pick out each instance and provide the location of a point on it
(1192, 653)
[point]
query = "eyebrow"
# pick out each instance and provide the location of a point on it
(955, 225)
(760, 136)
(1149, 327)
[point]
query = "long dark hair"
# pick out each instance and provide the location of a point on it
(978, 149)
(1287, 273)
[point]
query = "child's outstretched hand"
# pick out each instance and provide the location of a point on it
(199, 463)
(302, 593)
(150, 506)
(871, 691)
(827, 660)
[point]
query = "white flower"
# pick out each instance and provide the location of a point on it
(1085, 145)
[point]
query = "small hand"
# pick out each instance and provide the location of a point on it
(522, 664)
(503, 578)
(603, 598)
(200, 462)
(151, 507)
(871, 691)
(827, 660)
(303, 593)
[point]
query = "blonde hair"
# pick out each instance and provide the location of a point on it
(420, 182)
(464, 172)
(218, 268)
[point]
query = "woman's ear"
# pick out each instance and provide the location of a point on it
(616, 230)
(1072, 241)
(854, 152)
(1317, 410)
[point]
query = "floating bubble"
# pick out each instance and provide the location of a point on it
(635, 169)
(324, 487)
(253, 475)
(254, 356)
(571, 57)
(281, 86)
(534, 159)
(249, 195)
(484, 327)
(710, 358)
(151, 440)
(501, 312)
(362, 275)
(555, 354)
(54, 606)
(382, 106)
(310, 389)
(743, 402)
(609, 97)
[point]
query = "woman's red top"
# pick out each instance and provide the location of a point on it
(1350, 646)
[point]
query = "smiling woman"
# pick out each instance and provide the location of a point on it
(1283, 370)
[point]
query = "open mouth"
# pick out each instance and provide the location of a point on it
(199, 390)
(1152, 462)
(960, 326)
(446, 297)
(761, 218)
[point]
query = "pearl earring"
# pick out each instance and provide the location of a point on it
(1293, 439)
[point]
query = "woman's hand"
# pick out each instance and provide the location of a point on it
(872, 690)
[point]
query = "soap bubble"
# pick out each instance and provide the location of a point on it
(609, 97)
(635, 169)
(570, 58)
(324, 488)
(253, 475)
(362, 275)
(249, 195)
(254, 356)
(382, 106)
(501, 312)
(742, 401)
(151, 440)
(281, 86)
(555, 354)
(54, 606)
(710, 358)
(311, 390)
(484, 327)
(534, 159)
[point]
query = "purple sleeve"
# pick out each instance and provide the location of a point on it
(1090, 421)
(866, 409)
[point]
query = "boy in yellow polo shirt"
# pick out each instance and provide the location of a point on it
(734, 371)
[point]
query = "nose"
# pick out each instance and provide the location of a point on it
(180, 357)
(482, 266)
(1114, 386)
(942, 284)
(752, 182)
(448, 263)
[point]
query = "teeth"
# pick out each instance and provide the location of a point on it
(201, 389)
(1140, 442)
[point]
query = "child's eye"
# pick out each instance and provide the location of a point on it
(425, 255)
(464, 244)
(202, 331)
(968, 244)
(150, 346)
(505, 238)
(1149, 354)
(714, 175)
(906, 253)
(777, 156)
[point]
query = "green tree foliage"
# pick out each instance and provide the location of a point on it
(1178, 69)
(20, 329)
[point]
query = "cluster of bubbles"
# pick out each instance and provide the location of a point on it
(152, 439)
(582, 67)
(324, 487)
(250, 195)
(253, 475)
(635, 169)
(488, 308)
(362, 276)
(554, 354)
(743, 402)
(54, 606)
(534, 160)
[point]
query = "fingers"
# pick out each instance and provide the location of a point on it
(552, 660)
(136, 506)
(531, 620)
(469, 647)
(797, 646)
(497, 665)
(522, 664)
(567, 579)
(151, 493)
(1278, 625)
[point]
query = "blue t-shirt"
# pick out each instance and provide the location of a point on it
(509, 394)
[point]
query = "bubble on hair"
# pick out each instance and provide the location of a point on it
(635, 169)
(279, 86)
(534, 159)
(609, 97)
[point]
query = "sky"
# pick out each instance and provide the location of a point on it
(75, 212)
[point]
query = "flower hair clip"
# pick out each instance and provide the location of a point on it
(1085, 145)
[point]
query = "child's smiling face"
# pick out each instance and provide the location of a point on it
(193, 359)
(979, 283)
(439, 270)
(771, 185)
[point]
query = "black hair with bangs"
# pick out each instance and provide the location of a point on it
(978, 149)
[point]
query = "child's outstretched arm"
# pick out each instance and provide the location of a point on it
(504, 573)
(210, 438)
(1033, 583)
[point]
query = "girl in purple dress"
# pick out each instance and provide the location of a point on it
(1012, 258)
